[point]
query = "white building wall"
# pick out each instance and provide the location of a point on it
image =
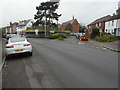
(29, 24)
(118, 28)
(21, 28)
(109, 28)
(118, 23)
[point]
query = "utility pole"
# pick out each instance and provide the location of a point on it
(57, 24)
(45, 24)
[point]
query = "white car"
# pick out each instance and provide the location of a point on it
(16, 45)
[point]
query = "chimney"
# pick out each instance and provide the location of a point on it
(73, 17)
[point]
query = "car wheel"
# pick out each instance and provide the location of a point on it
(7, 56)
(30, 54)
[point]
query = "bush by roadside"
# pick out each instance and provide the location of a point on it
(95, 32)
(59, 36)
(105, 37)
(108, 38)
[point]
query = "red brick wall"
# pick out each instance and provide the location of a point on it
(101, 27)
(63, 27)
(87, 27)
(75, 27)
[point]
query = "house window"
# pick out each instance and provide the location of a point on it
(96, 25)
(112, 23)
(112, 32)
(106, 30)
(99, 24)
(89, 26)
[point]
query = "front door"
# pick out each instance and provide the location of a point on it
(114, 31)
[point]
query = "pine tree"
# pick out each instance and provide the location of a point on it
(46, 14)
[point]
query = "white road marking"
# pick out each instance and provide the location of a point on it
(81, 43)
(104, 48)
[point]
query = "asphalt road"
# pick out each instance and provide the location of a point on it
(62, 64)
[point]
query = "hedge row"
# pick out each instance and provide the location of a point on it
(65, 31)
(59, 36)
(108, 38)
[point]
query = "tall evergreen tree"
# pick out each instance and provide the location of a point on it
(46, 14)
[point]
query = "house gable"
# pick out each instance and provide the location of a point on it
(74, 23)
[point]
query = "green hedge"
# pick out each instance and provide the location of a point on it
(108, 38)
(57, 35)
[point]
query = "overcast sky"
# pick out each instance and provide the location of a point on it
(85, 11)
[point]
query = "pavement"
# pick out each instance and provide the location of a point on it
(2, 55)
(2, 59)
(62, 64)
(114, 46)
(0, 63)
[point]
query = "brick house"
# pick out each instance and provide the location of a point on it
(99, 23)
(71, 24)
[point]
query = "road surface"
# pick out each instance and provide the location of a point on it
(62, 64)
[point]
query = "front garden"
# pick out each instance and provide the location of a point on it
(104, 37)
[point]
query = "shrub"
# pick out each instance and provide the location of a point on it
(100, 39)
(62, 35)
(60, 38)
(51, 36)
(94, 33)
(57, 35)
(108, 38)
(96, 38)
(118, 37)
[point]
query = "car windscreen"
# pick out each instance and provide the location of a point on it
(17, 39)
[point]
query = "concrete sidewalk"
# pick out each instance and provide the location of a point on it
(2, 59)
(1, 64)
(114, 46)
(2, 55)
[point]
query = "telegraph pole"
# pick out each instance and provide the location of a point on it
(45, 24)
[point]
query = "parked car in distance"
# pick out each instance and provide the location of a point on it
(9, 36)
(4, 35)
(83, 38)
(77, 35)
(16, 45)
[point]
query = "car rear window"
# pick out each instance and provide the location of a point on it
(17, 39)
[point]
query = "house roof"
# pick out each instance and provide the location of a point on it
(68, 22)
(102, 19)
(24, 22)
(114, 17)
